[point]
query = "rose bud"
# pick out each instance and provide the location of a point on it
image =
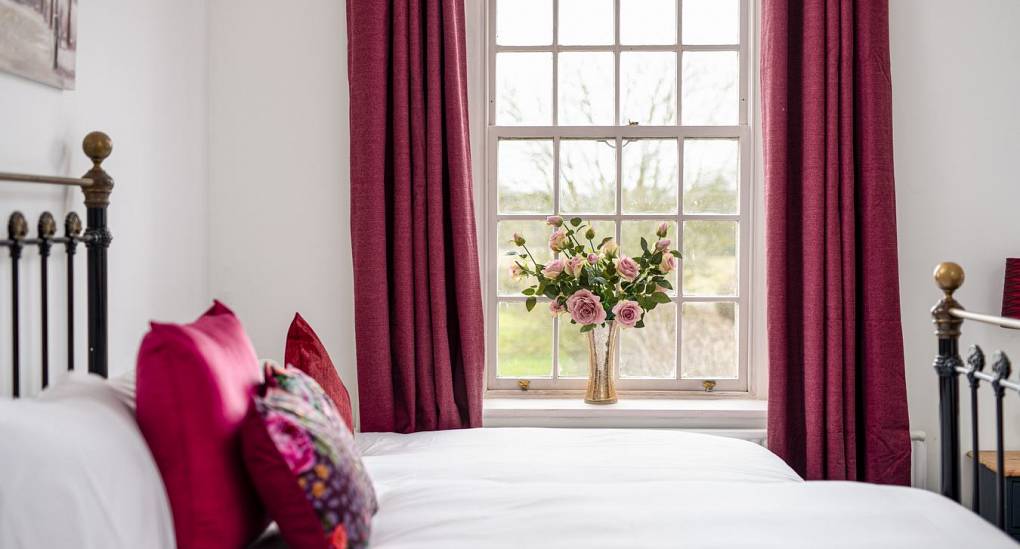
(662, 230)
(554, 220)
(518, 239)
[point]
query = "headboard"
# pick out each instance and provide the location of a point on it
(948, 316)
(96, 185)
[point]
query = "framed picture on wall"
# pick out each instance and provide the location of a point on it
(38, 40)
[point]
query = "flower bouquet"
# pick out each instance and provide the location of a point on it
(598, 287)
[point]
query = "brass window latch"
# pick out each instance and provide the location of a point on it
(709, 385)
(523, 384)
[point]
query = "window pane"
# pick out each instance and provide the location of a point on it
(524, 176)
(537, 235)
(709, 341)
(710, 258)
(711, 94)
(586, 89)
(524, 22)
(711, 22)
(648, 88)
(630, 239)
(710, 176)
(573, 350)
(586, 22)
(524, 89)
(524, 342)
(650, 351)
(587, 176)
(650, 175)
(648, 21)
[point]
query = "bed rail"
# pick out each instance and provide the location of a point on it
(96, 185)
(948, 316)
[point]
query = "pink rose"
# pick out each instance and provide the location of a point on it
(663, 230)
(662, 245)
(574, 266)
(586, 308)
(555, 308)
(593, 258)
(668, 263)
(553, 269)
(292, 441)
(627, 312)
(554, 220)
(516, 272)
(628, 268)
(559, 240)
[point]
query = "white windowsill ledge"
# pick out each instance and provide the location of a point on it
(647, 413)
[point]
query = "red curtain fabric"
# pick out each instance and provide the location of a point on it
(418, 306)
(837, 395)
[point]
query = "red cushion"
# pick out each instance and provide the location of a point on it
(306, 353)
(194, 384)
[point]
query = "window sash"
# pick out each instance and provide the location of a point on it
(741, 132)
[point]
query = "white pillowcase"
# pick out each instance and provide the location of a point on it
(76, 472)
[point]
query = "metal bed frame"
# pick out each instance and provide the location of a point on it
(96, 185)
(948, 316)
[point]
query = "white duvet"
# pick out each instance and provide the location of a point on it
(636, 488)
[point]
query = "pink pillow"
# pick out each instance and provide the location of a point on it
(194, 385)
(307, 353)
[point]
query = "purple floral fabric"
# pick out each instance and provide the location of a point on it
(319, 449)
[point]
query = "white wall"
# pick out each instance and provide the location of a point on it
(141, 77)
(957, 140)
(279, 191)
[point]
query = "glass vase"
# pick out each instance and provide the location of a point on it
(602, 363)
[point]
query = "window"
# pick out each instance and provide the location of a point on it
(627, 113)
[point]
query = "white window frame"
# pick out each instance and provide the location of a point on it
(744, 385)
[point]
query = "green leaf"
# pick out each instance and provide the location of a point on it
(676, 254)
(644, 244)
(656, 258)
(575, 221)
(640, 324)
(530, 303)
(660, 297)
(551, 292)
(511, 252)
(528, 291)
(603, 243)
(664, 283)
(587, 328)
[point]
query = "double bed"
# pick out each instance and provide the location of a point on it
(489, 487)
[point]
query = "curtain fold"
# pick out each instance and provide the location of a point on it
(418, 307)
(837, 395)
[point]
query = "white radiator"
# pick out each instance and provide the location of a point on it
(918, 460)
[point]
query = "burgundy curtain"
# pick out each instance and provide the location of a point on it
(418, 307)
(837, 396)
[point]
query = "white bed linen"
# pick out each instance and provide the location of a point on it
(75, 471)
(636, 488)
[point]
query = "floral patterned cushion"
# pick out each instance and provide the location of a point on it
(305, 465)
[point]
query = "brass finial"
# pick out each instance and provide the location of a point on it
(97, 146)
(47, 226)
(948, 277)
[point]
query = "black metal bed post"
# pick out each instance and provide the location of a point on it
(949, 277)
(975, 364)
(17, 230)
(97, 146)
(1001, 371)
